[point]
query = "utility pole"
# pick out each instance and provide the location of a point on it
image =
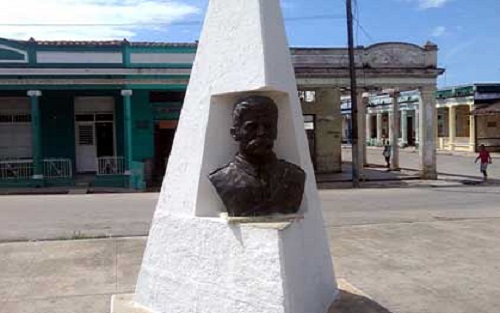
(354, 102)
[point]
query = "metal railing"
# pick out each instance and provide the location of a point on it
(16, 169)
(57, 168)
(111, 165)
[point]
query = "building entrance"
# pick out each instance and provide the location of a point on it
(95, 132)
(164, 139)
(94, 140)
(410, 132)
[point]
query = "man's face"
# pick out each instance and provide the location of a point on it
(256, 132)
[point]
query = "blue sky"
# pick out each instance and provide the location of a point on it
(468, 34)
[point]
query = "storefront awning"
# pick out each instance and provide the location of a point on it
(486, 109)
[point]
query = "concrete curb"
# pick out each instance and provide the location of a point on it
(408, 183)
(61, 191)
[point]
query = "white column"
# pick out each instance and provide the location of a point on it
(368, 126)
(452, 126)
(427, 135)
(390, 119)
(379, 128)
(472, 131)
(416, 124)
(394, 137)
(361, 130)
(327, 130)
(337, 113)
(404, 128)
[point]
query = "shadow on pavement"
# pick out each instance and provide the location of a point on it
(353, 303)
(373, 172)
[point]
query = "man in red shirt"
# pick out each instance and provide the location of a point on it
(485, 158)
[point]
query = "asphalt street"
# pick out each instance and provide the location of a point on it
(77, 216)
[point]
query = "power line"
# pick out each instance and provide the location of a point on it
(358, 24)
(365, 31)
(187, 23)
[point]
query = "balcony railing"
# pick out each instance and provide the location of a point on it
(16, 169)
(57, 168)
(111, 165)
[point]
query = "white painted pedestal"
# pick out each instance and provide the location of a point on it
(210, 266)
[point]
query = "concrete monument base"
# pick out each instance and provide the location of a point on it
(208, 265)
(350, 300)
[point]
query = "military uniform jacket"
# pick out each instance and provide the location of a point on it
(248, 190)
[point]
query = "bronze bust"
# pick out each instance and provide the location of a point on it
(256, 183)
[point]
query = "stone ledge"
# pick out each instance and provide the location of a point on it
(280, 221)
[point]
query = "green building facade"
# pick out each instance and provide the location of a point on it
(100, 114)
(104, 113)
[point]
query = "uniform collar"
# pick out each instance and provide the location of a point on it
(251, 169)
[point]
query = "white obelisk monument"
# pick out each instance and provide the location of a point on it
(197, 261)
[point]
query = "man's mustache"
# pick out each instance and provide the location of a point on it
(260, 142)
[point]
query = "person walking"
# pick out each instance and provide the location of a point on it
(485, 158)
(387, 154)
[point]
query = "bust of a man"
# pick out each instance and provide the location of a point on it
(256, 183)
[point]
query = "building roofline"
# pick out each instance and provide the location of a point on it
(470, 85)
(366, 47)
(125, 42)
(99, 43)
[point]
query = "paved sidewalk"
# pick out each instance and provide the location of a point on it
(67, 276)
(453, 170)
(379, 177)
(371, 173)
(439, 152)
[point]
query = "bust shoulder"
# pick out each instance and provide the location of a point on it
(291, 172)
(221, 174)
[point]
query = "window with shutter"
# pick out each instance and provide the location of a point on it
(85, 135)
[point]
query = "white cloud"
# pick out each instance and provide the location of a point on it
(439, 31)
(428, 4)
(135, 14)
